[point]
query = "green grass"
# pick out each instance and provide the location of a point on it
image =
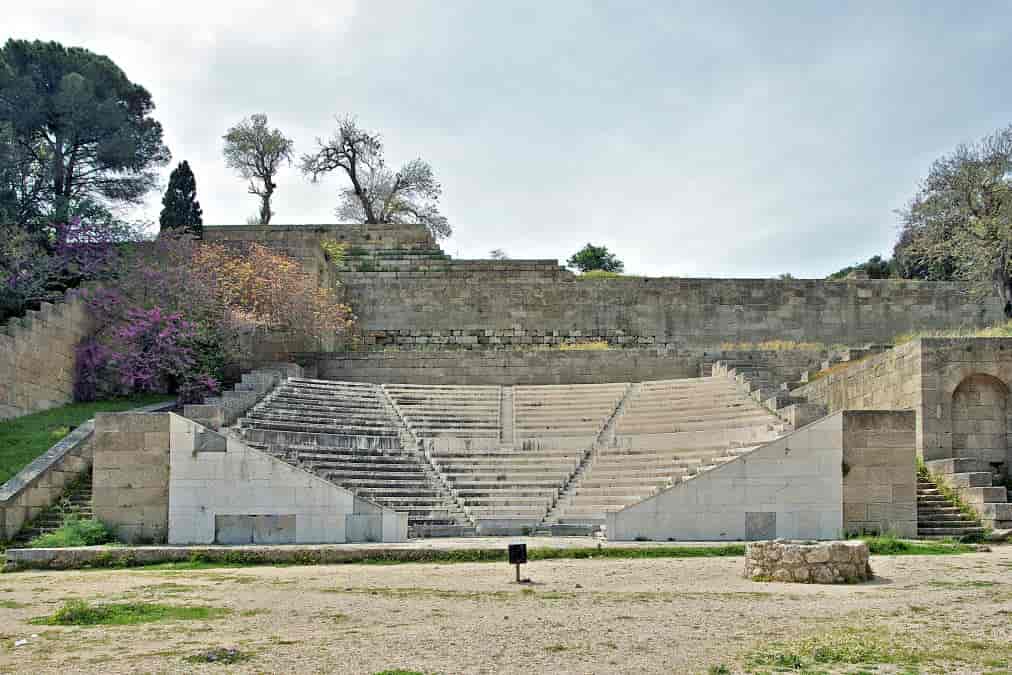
(74, 532)
(24, 438)
(81, 613)
(870, 646)
(887, 545)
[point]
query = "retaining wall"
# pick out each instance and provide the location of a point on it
(37, 355)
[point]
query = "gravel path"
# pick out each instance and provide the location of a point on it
(588, 616)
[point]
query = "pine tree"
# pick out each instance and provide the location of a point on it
(180, 208)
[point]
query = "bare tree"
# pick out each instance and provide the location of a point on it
(256, 152)
(962, 216)
(377, 194)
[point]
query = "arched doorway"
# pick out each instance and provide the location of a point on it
(980, 422)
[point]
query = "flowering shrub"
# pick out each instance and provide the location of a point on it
(172, 315)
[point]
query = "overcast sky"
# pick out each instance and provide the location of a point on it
(702, 139)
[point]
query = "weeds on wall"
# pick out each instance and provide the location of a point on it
(75, 531)
(997, 330)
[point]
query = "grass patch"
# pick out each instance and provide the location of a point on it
(887, 545)
(938, 583)
(22, 439)
(992, 331)
(399, 672)
(599, 274)
(10, 604)
(81, 613)
(871, 646)
(74, 532)
(595, 346)
(775, 346)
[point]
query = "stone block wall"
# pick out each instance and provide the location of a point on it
(696, 314)
(130, 489)
(37, 356)
(879, 473)
(546, 366)
(886, 381)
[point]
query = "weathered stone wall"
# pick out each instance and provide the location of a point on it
(886, 381)
(535, 302)
(879, 473)
(37, 355)
(130, 489)
(538, 365)
(838, 562)
(697, 314)
(546, 366)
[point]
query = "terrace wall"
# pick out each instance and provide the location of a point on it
(37, 356)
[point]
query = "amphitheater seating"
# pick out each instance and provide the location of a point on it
(669, 430)
(448, 411)
(344, 432)
(508, 460)
(578, 411)
(505, 489)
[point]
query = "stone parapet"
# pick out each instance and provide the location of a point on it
(832, 562)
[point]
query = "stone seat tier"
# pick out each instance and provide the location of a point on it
(520, 490)
(343, 407)
(302, 416)
(282, 438)
(335, 429)
(369, 473)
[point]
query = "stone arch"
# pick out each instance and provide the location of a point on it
(980, 422)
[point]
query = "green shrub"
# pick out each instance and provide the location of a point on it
(74, 532)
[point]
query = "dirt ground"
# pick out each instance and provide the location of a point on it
(949, 614)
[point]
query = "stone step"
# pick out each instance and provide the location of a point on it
(949, 531)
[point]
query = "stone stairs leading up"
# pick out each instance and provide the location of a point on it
(75, 501)
(939, 518)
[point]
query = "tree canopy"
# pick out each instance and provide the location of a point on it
(592, 257)
(256, 152)
(76, 135)
(180, 208)
(876, 267)
(376, 193)
(961, 217)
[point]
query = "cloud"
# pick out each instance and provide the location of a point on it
(722, 139)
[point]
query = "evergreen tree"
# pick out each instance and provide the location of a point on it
(180, 208)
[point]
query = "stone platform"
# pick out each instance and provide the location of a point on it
(823, 562)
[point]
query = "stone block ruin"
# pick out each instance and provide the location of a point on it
(511, 396)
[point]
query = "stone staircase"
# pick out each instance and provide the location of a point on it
(980, 490)
(938, 517)
(344, 432)
(668, 431)
(75, 501)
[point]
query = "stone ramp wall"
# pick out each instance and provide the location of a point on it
(852, 471)
(37, 354)
(160, 477)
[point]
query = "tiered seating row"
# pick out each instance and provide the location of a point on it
(669, 431)
(344, 432)
(564, 410)
(447, 411)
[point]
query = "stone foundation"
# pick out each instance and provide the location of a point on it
(831, 562)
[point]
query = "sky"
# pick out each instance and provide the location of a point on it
(692, 139)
